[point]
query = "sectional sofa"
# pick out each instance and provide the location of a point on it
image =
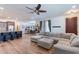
(67, 42)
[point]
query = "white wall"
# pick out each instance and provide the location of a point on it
(58, 21)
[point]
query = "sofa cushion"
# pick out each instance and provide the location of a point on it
(75, 42)
(41, 33)
(46, 33)
(72, 37)
(54, 35)
(66, 35)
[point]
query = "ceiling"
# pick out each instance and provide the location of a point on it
(23, 14)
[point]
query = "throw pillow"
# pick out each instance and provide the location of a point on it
(75, 42)
(72, 37)
(66, 35)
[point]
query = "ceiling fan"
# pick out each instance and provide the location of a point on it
(37, 9)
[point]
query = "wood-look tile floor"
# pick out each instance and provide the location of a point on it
(22, 46)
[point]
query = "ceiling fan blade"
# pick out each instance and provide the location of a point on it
(42, 10)
(29, 8)
(38, 7)
(37, 13)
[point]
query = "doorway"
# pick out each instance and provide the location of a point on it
(71, 25)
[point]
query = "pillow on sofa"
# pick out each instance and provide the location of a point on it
(66, 35)
(54, 35)
(46, 33)
(75, 42)
(50, 34)
(41, 33)
(72, 37)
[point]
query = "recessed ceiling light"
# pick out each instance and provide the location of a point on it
(1, 8)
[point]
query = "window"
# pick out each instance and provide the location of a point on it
(47, 26)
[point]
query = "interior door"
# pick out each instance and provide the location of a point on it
(71, 25)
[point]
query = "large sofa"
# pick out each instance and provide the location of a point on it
(67, 42)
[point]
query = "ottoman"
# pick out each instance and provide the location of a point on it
(35, 38)
(45, 43)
